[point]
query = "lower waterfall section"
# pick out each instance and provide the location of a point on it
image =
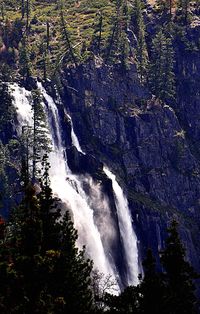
(127, 233)
(68, 188)
(91, 212)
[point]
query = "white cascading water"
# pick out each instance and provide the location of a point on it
(98, 200)
(127, 233)
(75, 140)
(22, 103)
(68, 188)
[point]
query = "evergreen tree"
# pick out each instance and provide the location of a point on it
(152, 288)
(47, 35)
(72, 266)
(161, 72)
(124, 51)
(2, 228)
(183, 6)
(117, 44)
(166, 7)
(97, 36)
(141, 48)
(8, 299)
(41, 274)
(68, 48)
(22, 8)
(180, 296)
(111, 48)
(41, 143)
(197, 2)
(25, 145)
(4, 186)
(45, 52)
(171, 291)
(7, 112)
(22, 242)
(50, 214)
(69, 282)
(24, 59)
(27, 7)
(2, 9)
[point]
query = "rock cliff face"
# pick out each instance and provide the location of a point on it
(153, 148)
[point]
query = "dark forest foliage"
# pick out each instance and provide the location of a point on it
(169, 291)
(41, 270)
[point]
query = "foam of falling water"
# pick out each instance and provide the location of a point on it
(103, 217)
(68, 187)
(75, 141)
(126, 230)
(22, 104)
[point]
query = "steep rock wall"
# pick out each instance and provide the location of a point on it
(145, 143)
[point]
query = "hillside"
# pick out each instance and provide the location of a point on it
(92, 27)
(81, 22)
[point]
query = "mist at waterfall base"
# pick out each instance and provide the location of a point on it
(91, 211)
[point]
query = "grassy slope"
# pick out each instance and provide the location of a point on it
(80, 16)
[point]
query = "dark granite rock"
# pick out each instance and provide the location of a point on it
(83, 164)
(150, 147)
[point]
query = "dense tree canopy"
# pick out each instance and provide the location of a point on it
(161, 292)
(41, 269)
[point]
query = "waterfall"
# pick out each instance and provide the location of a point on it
(91, 211)
(21, 99)
(127, 233)
(64, 184)
(75, 140)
